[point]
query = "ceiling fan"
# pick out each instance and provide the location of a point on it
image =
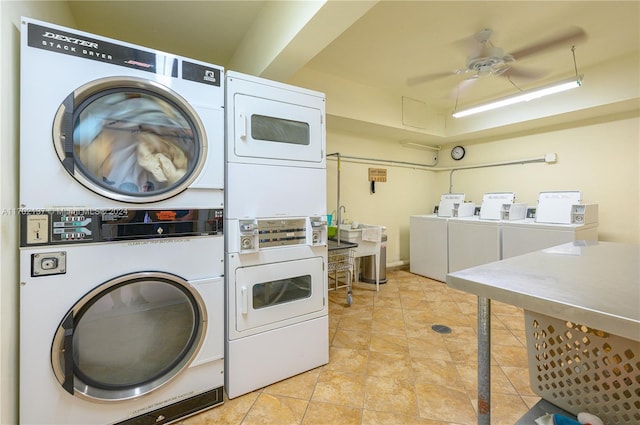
(486, 60)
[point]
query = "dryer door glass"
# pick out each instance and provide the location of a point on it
(128, 339)
(130, 142)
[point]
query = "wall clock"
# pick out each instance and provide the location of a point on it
(457, 153)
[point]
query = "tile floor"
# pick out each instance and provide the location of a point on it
(388, 367)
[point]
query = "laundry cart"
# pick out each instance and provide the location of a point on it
(340, 266)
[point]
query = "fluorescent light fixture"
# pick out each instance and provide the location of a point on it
(418, 145)
(523, 96)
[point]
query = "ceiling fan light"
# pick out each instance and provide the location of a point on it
(523, 96)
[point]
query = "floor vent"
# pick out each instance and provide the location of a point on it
(441, 329)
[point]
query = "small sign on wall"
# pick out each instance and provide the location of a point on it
(378, 175)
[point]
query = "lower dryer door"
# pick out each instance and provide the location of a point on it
(128, 336)
(269, 296)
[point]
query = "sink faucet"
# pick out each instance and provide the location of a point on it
(343, 208)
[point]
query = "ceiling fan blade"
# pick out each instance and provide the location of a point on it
(462, 86)
(563, 39)
(530, 74)
(429, 77)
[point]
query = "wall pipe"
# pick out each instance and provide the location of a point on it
(384, 161)
(338, 212)
(548, 158)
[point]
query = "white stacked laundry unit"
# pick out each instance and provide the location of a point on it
(276, 233)
(121, 242)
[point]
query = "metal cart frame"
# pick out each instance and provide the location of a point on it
(340, 262)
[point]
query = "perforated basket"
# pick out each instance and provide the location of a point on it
(582, 369)
(340, 259)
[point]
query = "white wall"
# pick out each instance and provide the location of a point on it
(600, 158)
(407, 191)
(10, 13)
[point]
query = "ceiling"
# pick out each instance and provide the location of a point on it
(383, 44)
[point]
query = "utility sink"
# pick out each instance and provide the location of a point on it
(355, 234)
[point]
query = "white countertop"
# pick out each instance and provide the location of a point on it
(596, 284)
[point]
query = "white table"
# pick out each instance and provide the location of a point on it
(593, 283)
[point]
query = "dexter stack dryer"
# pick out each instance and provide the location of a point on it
(109, 124)
(121, 237)
(276, 233)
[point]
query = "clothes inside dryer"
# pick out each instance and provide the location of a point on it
(131, 141)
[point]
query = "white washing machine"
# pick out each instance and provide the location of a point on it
(119, 322)
(476, 240)
(473, 242)
(428, 240)
(108, 124)
(428, 248)
(524, 236)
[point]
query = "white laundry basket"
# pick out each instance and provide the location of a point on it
(582, 369)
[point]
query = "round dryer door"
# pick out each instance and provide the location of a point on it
(128, 337)
(130, 139)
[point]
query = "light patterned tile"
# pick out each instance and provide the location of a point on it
(351, 339)
(355, 323)
(348, 360)
(372, 417)
(326, 413)
(506, 409)
(383, 313)
(499, 382)
(389, 343)
(390, 395)
(436, 372)
(445, 404)
(389, 365)
(507, 355)
(300, 386)
(341, 388)
(276, 409)
(430, 345)
(519, 377)
(389, 326)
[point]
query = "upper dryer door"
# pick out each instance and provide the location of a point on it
(130, 139)
(274, 124)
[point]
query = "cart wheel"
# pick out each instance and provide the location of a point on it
(349, 298)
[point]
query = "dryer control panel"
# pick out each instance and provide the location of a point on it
(62, 227)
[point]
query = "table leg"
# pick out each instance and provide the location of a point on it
(484, 361)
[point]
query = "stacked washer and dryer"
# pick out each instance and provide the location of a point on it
(276, 249)
(122, 244)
